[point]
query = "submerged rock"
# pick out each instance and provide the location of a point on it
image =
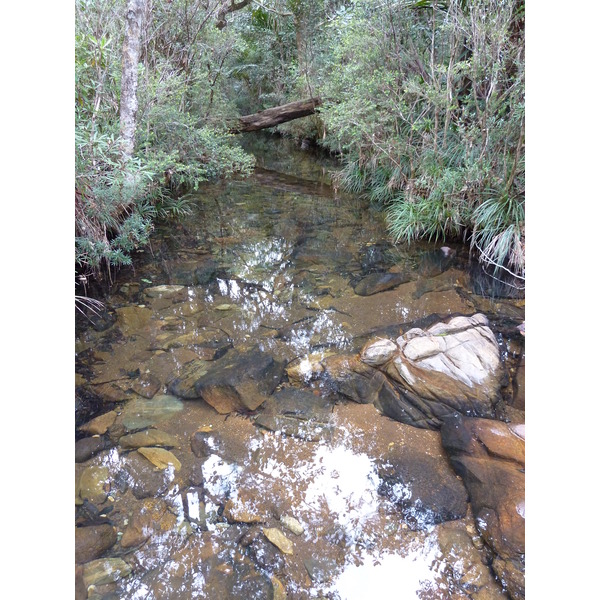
(160, 458)
(132, 319)
(379, 282)
(320, 569)
(146, 385)
(144, 479)
(279, 592)
(292, 524)
(141, 413)
(298, 413)
(277, 538)
(466, 562)
(423, 487)
(87, 447)
(93, 541)
(240, 382)
(205, 442)
(105, 570)
(490, 457)
(306, 368)
(100, 424)
(94, 484)
(243, 509)
(183, 385)
(165, 291)
(149, 437)
(153, 517)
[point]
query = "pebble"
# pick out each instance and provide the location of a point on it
(160, 457)
(224, 307)
(277, 538)
(292, 524)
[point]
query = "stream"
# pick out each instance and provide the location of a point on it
(213, 458)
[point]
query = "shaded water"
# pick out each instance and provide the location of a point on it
(268, 267)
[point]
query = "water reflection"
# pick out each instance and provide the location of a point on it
(404, 576)
(274, 270)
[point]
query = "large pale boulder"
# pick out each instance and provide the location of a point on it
(446, 368)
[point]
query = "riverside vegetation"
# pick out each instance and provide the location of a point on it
(422, 101)
(306, 374)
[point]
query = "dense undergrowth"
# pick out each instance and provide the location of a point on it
(423, 100)
(181, 138)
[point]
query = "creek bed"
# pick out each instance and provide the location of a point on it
(258, 499)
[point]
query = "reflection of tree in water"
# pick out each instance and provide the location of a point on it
(495, 285)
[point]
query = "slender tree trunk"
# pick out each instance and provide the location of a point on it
(129, 79)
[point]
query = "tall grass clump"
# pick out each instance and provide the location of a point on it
(426, 106)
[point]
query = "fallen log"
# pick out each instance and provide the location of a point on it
(276, 115)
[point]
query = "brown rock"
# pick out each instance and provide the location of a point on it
(146, 385)
(149, 437)
(93, 541)
(93, 484)
(80, 587)
(380, 282)
(238, 511)
(352, 378)
(305, 369)
(87, 447)
(152, 518)
(100, 425)
(105, 570)
(146, 481)
(489, 456)
(240, 382)
(160, 458)
(132, 319)
(466, 562)
(277, 538)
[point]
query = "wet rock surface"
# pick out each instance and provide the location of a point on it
(379, 282)
(87, 447)
(448, 367)
(93, 541)
(297, 412)
(241, 360)
(141, 413)
(240, 382)
(144, 479)
(490, 458)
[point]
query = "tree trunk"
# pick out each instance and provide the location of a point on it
(276, 115)
(129, 79)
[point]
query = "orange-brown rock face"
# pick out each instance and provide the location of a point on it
(489, 455)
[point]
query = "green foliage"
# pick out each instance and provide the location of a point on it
(425, 104)
(499, 233)
(185, 100)
(423, 101)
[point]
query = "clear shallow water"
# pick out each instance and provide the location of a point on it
(269, 264)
